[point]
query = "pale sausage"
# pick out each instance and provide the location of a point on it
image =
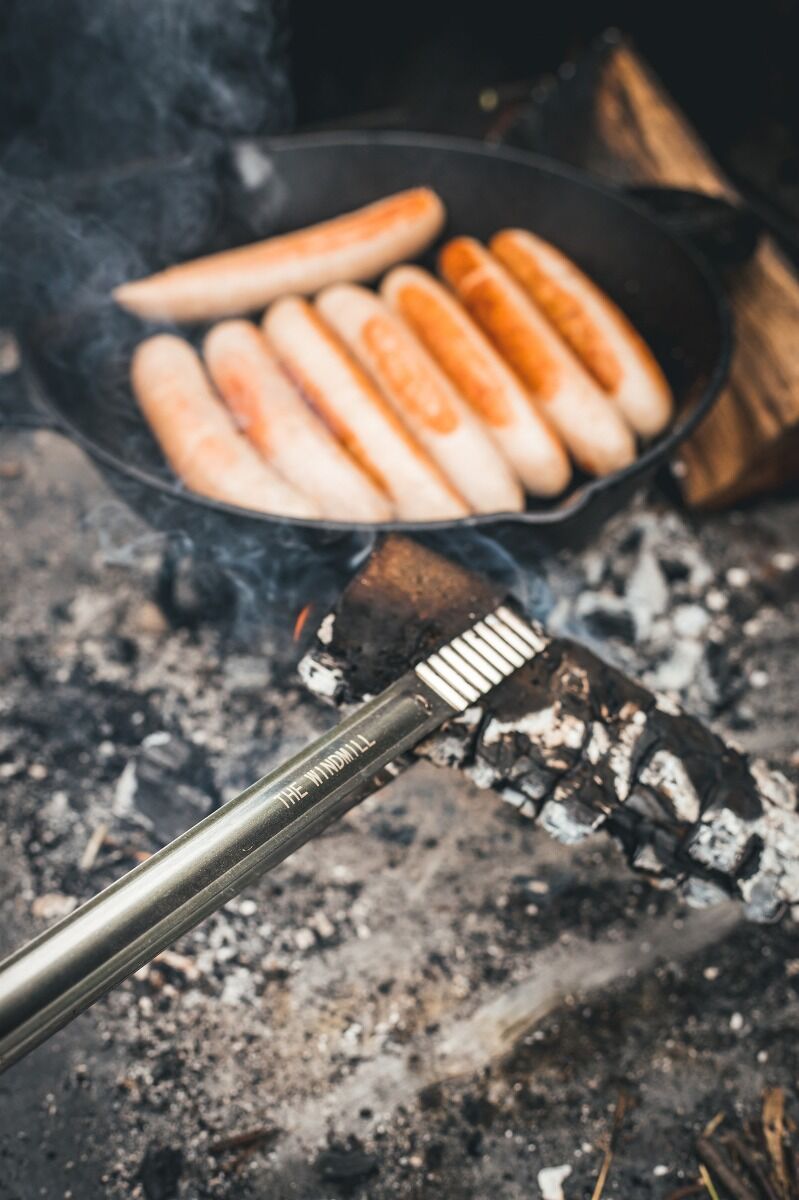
(359, 415)
(198, 436)
(273, 416)
(494, 393)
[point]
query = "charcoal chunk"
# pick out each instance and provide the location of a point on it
(160, 1171)
(345, 1162)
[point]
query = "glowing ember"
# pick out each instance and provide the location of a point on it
(302, 618)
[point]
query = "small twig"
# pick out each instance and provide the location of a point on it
(248, 1137)
(93, 848)
(234, 1163)
(690, 1189)
(124, 851)
(181, 963)
(722, 1170)
(618, 1119)
(713, 1124)
(747, 1156)
(708, 1182)
(773, 1122)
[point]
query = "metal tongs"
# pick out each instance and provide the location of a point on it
(60, 973)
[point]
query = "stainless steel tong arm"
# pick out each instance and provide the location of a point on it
(64, 970)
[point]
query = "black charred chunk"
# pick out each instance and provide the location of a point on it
(160, 1172)
(345, 1162)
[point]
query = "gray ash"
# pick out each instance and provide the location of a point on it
(460, 1007)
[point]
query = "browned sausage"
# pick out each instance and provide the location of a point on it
(423, 397)
(495, 394)
(597, 437)
(597, 331)
(355, 246)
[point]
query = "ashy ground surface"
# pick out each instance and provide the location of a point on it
(431, 1000)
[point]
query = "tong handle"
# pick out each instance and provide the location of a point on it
(64, 970)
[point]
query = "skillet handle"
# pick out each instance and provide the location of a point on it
(724, 233)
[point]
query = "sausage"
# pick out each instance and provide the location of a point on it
(198, 437)
(596, 435)
(359, 414)
(597, 331)
(355, 246)
(423, 397)
(273, 415)
(482, 378)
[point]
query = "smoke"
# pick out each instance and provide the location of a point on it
(90, 83)
(95, 92)
(519, 565)
(122, 124)
(128, 141)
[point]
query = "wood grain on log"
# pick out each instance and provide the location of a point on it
(570, 741)
(614, 118)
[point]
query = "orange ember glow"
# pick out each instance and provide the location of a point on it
(300, 623)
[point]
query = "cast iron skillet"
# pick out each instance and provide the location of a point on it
(76, 355)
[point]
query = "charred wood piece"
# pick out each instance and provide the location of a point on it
(570, 741)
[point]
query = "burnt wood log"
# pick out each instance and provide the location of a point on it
(569, 741)
(613, 117)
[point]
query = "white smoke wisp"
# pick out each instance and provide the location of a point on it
(115, 81)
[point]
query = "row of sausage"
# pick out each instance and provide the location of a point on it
(427, 400)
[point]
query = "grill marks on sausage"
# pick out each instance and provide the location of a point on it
(566, 313)
(421, 396)
(592, 326)
(599, 439)
(490, 306)
(494, 393)
(341, 391)
(445, 337)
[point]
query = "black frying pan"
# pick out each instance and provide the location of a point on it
(76, 353)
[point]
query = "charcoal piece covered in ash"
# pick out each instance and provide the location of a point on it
(166, 787)
(571, 741)
(606, 616)
(345, 1163)
(192, 590)
(160, 1172)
